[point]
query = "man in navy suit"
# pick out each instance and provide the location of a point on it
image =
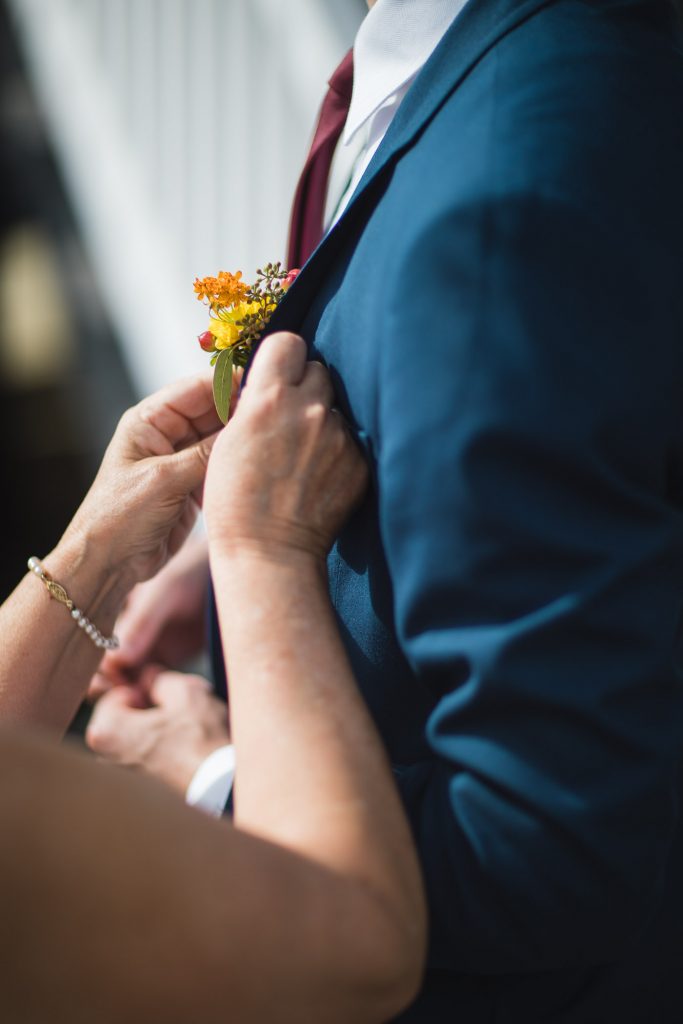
(501, 307)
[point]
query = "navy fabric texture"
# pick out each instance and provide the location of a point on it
(501, 308)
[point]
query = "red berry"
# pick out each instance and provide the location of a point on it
(207, 341)
(290, 279)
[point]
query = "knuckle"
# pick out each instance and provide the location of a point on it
(98, 736)
(161, 472)
(201, 453)
(316, 413)
(128, 417)
(270, 402)
(276, 392)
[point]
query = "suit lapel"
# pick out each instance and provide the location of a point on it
(481, 24)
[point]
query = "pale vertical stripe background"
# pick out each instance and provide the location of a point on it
(180, 127)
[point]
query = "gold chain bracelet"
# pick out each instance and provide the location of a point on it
(57, 591)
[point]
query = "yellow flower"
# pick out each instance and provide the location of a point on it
(225, 334)
(225, 327)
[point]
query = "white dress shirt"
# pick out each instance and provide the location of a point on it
(394, 42)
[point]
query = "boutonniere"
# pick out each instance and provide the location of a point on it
(238, 314)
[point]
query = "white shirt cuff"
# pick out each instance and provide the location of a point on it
(212, 782)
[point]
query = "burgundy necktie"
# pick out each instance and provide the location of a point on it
(308, 209)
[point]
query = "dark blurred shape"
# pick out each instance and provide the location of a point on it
(62, 382)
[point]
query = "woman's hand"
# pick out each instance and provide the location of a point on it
(285, 473)
(144, 500)
(165, 725)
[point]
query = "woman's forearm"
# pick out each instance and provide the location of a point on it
(138, 513)
(312, 773)
(119, 903)
(47, 661)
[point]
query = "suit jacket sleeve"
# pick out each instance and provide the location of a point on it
(527, 405)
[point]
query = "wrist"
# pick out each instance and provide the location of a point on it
(249, 556)
(92, 580)
(179, 767)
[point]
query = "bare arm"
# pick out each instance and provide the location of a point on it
(124, 904)
(312, 773)
(313, 777)
(119, 903)
(138, 512)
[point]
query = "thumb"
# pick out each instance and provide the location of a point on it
(137, 628)
(280, 359)
(189, 464)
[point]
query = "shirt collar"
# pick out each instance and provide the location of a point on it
(396, 38)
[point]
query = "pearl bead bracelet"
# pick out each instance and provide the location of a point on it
(57, 591)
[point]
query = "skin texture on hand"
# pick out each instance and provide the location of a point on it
(300, 471)
(121, 902)
(166, 726)
(137, 513)
(297, 476)
(163, 620)
(144, 500)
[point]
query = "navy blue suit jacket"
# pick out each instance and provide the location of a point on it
(501, 307)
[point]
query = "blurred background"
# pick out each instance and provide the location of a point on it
(143, 143)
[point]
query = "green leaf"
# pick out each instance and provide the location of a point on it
(222, 384)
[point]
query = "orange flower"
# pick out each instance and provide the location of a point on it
(222, 291)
